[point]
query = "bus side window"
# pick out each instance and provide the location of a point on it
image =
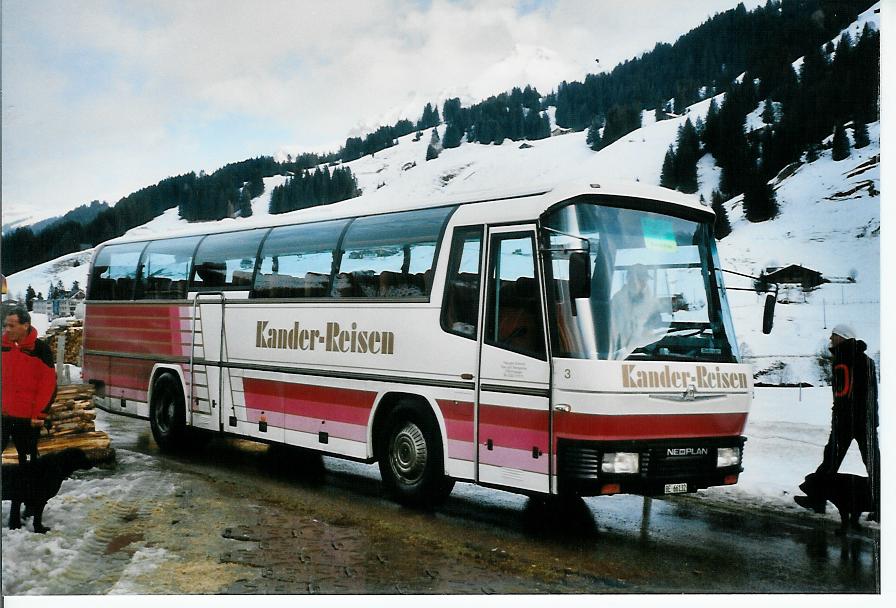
(115, 272)
(460, 307)
(513, 319)
(165, 269)
(296, 261)
(226, 260)
(390, 256)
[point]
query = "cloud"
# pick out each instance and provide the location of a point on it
(101, 98)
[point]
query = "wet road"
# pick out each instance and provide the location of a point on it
(239, 517)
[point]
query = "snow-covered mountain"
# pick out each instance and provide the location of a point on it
(18, 218)
(536, 66)
(829, 221)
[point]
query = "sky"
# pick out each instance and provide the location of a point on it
(101, 98)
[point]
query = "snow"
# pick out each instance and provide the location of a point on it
(537, 66)
(42, 564)
(786, 433)
(821, 228)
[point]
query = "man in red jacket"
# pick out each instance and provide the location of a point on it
(29, 383)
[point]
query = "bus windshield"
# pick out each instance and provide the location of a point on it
(656, 291)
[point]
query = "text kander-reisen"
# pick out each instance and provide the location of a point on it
(703, 377)
(333, 338)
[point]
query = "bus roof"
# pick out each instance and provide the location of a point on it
(530, 203)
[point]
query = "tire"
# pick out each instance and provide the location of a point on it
(167, 413)
(410, 459)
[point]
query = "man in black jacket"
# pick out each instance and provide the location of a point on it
(854, 415)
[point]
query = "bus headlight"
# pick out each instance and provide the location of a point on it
(727, 457)
(620, 462)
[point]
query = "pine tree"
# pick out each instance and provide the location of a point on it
(812, 153)
(307, 189)
(710, 134)
(768, 112)
(536, 125)
(563, 111)
(485, 130)
(840, 147)
(430, 117)
(452, 113)
(516, 120)
(245, 202)
(667, 175)
(593, 137)
(544, 127)
(723, 224)
(453, 136)
(434, 147)
(760, 203)
(29, 298)
(865, 76)
(732, 150)
(860, 134)
(686, 157)
(621, 120)
(682, 99)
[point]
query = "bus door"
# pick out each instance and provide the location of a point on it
(207, 348)
(513, 404)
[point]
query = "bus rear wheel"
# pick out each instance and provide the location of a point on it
(167, 412)
(411, 461)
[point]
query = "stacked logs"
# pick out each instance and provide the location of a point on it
(72, 411)
(72, 425)
(74, 332)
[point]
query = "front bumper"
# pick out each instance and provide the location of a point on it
(662, 463)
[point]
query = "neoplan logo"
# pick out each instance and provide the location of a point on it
(687, 451)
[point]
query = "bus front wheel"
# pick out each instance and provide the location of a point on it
(411, 461)
(167, 412)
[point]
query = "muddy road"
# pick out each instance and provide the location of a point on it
(239, 517)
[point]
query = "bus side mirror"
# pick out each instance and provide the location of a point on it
(768, 317)
(579, 275)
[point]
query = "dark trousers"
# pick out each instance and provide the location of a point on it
(842, 434)
(23, 435)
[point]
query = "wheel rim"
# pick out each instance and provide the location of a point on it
(165, 413)
(408, 454)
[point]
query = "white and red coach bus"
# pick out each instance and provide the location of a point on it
(573, 340)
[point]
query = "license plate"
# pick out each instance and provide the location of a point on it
(675, 488)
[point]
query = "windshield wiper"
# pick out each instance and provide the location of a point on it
(694, 331)
(653, 355)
